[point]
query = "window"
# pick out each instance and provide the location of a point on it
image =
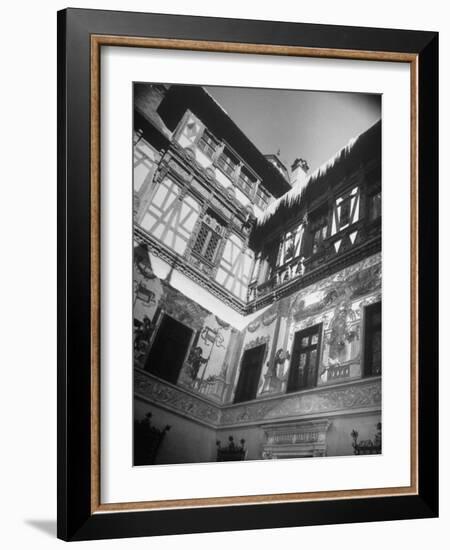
(305, 359)
(375, 206)
(289, 247)
(372, 340)
(144, 294)
(319, 235)
(262, 198)
(246, 181)
(208, 144)
(344, 212)
(226, 163)
(251, 365)
(209, 238)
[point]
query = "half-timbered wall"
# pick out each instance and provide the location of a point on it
(171, 215)
(146, 159)
(235, 267)
(189, 136)
(345, 213)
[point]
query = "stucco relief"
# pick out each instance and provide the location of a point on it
(348, 284)
(321, 400)
(183, 309)
(361, 396)
(205, 361)
(163, 394)
(341, 347)
(288, 440)
(205, 368)
(312, 302)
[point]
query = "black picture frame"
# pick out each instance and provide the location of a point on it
(76, 518)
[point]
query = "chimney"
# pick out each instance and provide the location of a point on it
(299, 172)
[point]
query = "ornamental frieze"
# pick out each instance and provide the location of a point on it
(252, 327)
(178, 400)
(359, 395)
(343, 398)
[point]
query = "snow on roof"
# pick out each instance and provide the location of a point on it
(294, 195)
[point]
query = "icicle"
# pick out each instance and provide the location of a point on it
(294, 195)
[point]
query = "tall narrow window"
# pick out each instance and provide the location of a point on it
(319, 235)
(227, 163)
(262, 198)
(372, 340)
(208, 239)
(251, 365)
(344, 212)
(208, 144)
(305, 359)
(375, 206)
(246, 181)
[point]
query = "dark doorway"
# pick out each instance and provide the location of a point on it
(169, 349)
(372, 340)
(305, 359)
(252, 361)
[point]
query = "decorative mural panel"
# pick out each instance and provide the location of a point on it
(180, 307)
(205, 368)
(365, 394)
(336, 302)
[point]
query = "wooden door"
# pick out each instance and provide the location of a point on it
(249, 376)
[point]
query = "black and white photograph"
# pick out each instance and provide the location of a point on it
(257, 274)
(225, 275)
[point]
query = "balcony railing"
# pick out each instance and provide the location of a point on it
(297, 267)
(213, 387)
(293, 269)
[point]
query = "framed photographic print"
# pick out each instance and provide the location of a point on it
(247, 274)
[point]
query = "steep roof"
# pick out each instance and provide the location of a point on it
(202, 104)
(358, 152)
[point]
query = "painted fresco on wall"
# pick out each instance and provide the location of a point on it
(205, 368)
(337, 303)
(252, 285)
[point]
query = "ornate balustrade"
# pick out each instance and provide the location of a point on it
(297, 268)
(338, 372)
(213, 387)
(295, 440)
(277, 287)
